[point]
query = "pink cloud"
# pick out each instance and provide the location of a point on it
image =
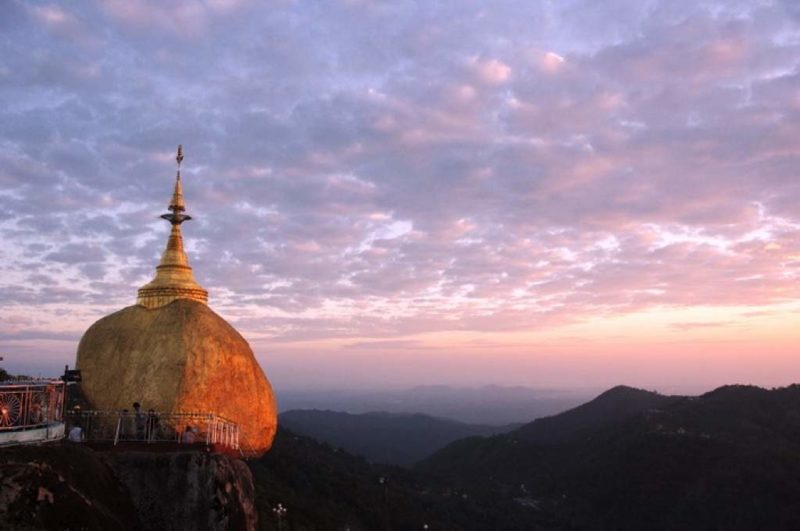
(490, 71)
(386, 171)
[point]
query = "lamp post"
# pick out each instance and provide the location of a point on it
(280, 512)
(385, 482)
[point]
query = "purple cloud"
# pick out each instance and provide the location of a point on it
(375, 170)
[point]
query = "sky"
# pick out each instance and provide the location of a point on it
(560, 193)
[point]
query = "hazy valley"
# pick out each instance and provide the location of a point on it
(493, 405)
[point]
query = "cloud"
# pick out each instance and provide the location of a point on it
(695, 325)
(379, 170)
(550, 62)
(490, 71)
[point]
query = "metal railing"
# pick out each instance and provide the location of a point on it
(32, 403)
(149, 427)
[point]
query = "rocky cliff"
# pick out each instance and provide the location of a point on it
(187, 490)
(73, 487)
(62, 487)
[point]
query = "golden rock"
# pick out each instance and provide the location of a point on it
(178, 357)
(172, 353)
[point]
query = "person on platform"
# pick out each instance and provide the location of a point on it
(75, 434)
(189, 435)
(139, 421)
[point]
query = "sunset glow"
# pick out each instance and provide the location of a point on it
(391, 194)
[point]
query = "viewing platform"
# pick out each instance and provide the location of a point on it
(152, 431)
(33, 412)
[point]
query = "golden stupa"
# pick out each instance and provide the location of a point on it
(172, 353)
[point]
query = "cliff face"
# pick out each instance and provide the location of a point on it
(179, 491)
(178, 357)
(73, 487)
(62, 487)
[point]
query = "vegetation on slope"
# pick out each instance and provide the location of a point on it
(391, 438)
(729, 459)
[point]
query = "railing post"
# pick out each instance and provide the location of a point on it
(116, 432)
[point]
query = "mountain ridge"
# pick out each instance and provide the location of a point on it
(723, 460)
(384, 437)
(614, 405)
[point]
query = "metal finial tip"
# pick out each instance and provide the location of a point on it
(179, 158)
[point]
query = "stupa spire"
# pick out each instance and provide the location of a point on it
(177, 204)
(174, 278)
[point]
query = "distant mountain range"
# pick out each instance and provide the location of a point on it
(628, 459)
(391, 438)
(729, 459)
(615, 405)
(488, 405)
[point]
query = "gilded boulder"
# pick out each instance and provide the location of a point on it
(179, 357)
